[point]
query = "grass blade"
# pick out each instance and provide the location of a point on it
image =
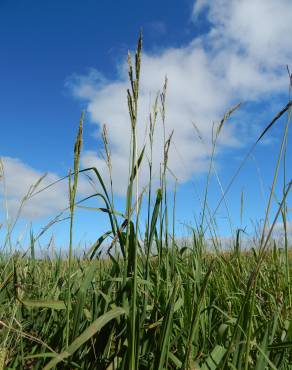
(88, 333)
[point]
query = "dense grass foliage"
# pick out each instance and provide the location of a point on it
(147, 301)
(188, 294)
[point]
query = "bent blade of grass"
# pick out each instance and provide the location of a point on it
(88, 333)
(93, 249)
(279, 115)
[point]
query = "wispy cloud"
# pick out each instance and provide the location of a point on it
(241, 58)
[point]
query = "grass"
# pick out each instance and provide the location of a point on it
(152, 303)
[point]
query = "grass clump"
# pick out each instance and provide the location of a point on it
(151, 304)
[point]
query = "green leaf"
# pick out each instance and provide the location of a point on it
(137, 165)
(214, 359)
(93, 249)
(80, 301)
(272, 366)
(154, 217)
(174, 360)
(56, 305)
(261, 360)
(164, 339)
(96, 326)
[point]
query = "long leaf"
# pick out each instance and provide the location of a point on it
(214, 359)
(56, 305)
(88, 333)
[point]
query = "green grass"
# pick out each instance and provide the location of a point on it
(203, 309)
(151, 302)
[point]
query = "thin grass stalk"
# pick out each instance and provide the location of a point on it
(208, 182)
(133, 111)
(249, 153)
(166, 144)
(284, 212)
(173, 230)
(161, 219)
(215, 137)
(108, 161)
(286, 245)
(286, 248)
(153, 118)
(152, 121)
(276, 172)
(72, 196)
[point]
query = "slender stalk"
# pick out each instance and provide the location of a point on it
(133, 111)
(275, 178)
(72, 196)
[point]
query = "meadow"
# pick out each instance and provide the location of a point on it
(140, 298)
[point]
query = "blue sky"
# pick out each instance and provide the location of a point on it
(58, 58)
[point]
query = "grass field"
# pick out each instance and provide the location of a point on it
(150, 301)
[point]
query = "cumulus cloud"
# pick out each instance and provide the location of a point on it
(253, 28)
(19, 179)
(241, 58)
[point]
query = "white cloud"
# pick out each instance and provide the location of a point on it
(18, 180)
(242, 57)
(259, 29)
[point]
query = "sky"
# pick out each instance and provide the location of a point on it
(60, 58)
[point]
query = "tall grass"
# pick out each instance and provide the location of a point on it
(152, 303)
